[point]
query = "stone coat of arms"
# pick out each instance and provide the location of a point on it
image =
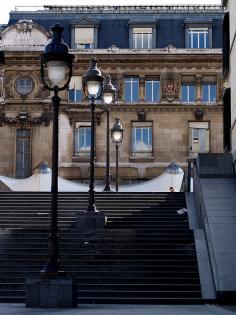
(170, 88)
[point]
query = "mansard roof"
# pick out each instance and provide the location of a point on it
(114, 21)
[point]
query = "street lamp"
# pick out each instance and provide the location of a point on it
(94, 82)
(117, 137)
(108, 97)
(56, 72)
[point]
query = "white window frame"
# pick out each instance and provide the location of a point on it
(141, 33)
(198, 31)
(188, 93)
(142, 126)
(152, 82)
(79, 151)
(131, 81)
(209, 92)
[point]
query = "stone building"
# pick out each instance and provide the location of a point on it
(166, 62)
(229, 69)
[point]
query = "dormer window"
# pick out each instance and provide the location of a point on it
(198, 37)
(84, 37)
(84, 34)
(142, 34)
(198, 34)
(142, 37)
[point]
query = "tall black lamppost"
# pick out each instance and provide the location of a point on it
(117, 137)
(108, 97)
(94, 82)
(56, 72)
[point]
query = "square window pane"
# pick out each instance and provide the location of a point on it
(133, 139)
(127, 90)
(207, 40)
(192, 92)
(184, 93)
(148, 91)
(195, 40)
(213, 93)
(156, 91)
(145, 41)
(78, 95)
(201, 40)
(135, 90)
(138, 41)
(138, 134)
(205, 93)
(71, 95)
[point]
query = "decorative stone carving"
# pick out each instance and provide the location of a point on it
(171, 48)
(141, 115)
(170, 88)
(24, 26)
(74, 115)
(199, 114)
(23, 120)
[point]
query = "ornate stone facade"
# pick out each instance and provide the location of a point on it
(168, 118)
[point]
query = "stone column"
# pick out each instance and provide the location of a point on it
(142, 88)
(198, 89)
(120, 87)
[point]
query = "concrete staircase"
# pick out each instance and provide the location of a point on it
(146, 254)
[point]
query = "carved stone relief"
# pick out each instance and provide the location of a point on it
(23, 119)
(170, 87)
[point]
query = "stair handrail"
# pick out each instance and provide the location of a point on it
(204, 224)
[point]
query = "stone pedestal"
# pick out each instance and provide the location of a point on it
(90, 220)
(54, 292)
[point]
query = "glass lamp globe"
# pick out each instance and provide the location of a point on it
(117, 136)
(107, 98)
(56, 71)
(93, 87)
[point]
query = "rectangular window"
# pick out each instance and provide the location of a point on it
(152, 91)
(142, 139)
(188, 92)
(209, 92)
(23, 153)
(142, 38)
(131, 89)
(82, 139)
(84, 37)
(198, 137)
(75, 89)
(198, 38)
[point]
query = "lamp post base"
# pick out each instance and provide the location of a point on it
(88, 220)
(52, 292)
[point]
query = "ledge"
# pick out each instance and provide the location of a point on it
(141, 159)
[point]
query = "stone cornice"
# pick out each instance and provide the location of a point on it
(149, 108)
(170, 50)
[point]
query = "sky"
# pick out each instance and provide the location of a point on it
(8, 5)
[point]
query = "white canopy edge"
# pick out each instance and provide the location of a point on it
(42, 182)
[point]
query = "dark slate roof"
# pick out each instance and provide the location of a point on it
(114, 22)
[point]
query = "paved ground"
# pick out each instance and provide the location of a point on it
(19, 309)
